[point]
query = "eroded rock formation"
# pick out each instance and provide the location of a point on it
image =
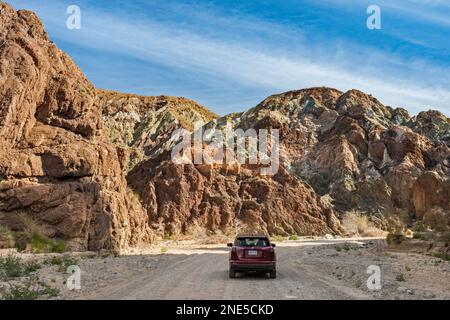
(56, 163)
(142, 126)
(345, 147)
(364, 155)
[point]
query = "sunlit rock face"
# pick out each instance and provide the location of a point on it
(56, 163)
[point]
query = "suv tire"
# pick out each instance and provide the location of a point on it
(273, 274)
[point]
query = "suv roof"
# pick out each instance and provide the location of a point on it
(252, 236)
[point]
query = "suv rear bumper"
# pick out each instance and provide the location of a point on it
(266, 266)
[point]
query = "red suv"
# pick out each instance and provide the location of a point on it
(252, 253)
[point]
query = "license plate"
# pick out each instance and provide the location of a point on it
(252, 252)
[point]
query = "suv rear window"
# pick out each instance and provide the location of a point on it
(252, 242)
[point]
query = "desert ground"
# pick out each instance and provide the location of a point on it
(307, 269)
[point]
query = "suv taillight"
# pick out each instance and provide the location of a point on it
(234, 255)
(271, 253)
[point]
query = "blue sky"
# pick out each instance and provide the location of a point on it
(230, 55)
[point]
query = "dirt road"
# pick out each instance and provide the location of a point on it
(205, 276)
(325, 269)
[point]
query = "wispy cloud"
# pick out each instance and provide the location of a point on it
(240, 56)
(432, 11)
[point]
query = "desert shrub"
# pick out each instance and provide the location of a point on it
(400, 277)
(396, 220)
(59, 246)
(418, 236)
(30, 225)
(293, 237)
(278, 238)
(31, 267)
(395, 238)
(11, 267)
(40, 244)
(37, 243)
(5, 231)
(169, 237)
(425, 236)
(358, 223)
(346, 247)
(419, 227)
(443, 255)
(6, 238)
(21, 293)
(63, 262)
(50, 292)
(34, 237)
(30, 292)
(437, 219)
(362, 224)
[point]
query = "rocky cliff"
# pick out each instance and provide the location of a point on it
(366, 156)
(56, 163)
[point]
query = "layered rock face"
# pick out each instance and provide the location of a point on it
(205, 199)
(142, 126)
(346, 148)
(367, 157)
(192, 199)
(56, 163)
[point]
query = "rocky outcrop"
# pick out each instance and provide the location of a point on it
(365, 156)
(143, 126)
(347, 148)
(188, 199)
(432, 124)
(56, 163)
(431, 200)
(192, 199)
(232, 198)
